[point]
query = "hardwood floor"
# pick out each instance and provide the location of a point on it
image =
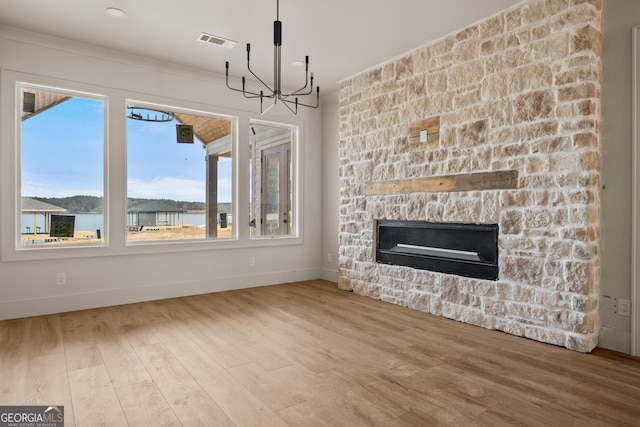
(302, 354)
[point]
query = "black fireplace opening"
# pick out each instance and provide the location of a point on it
(468, 250)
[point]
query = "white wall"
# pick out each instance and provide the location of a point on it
(619, 18)
(330, 188)
(120, 273)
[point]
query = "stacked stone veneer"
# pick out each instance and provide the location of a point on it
(518, 91)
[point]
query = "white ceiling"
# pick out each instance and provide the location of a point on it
(342, 37)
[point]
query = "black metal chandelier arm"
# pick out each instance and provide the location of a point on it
(246, 93)
(251, 95)
(302, 104)
(306, 83)
(255, 75)
(243, 90)
(254, 95)
(286, 104)
(272, 93)
(299, 91)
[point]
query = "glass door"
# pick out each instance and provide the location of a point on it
(276, 197)
(272, 174)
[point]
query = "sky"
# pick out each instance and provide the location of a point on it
(62, 155)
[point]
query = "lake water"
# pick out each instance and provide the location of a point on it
(93, 222)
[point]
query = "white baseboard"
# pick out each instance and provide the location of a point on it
(330, 274)
(15, 309)
(614, 339)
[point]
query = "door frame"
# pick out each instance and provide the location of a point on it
(635, 244)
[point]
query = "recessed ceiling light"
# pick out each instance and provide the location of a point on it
(115, 12)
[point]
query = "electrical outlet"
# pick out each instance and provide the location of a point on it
(61, 279)
(252, 261)
(624, 307)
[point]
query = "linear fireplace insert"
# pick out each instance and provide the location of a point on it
(468, 250)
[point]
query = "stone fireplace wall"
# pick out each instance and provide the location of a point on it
(520, 91)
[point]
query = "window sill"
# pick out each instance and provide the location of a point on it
(141, 248)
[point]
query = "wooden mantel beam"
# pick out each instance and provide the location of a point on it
(496, 180)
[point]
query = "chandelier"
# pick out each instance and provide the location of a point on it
(290, 100)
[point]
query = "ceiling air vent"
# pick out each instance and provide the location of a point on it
(215, 40)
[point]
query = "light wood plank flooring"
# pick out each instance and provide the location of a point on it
(302, 354)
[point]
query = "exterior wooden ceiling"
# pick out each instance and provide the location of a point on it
(206, 129)
(43, 101)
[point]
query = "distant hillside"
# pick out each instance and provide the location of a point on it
(75, 204)
(89, 204)
(187, 206)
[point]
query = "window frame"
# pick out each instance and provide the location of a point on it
(115, 210)
(234, 166)
(75, 92)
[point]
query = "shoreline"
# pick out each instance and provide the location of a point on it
(84, 237)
